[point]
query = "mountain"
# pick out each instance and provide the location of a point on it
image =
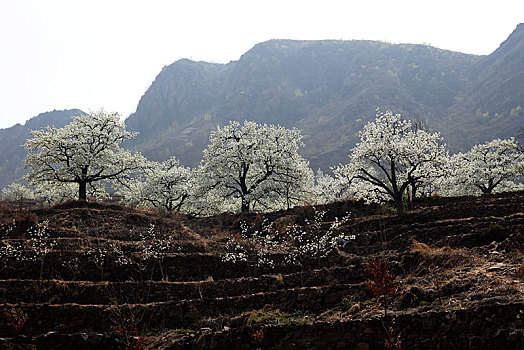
(494, 98)
(12, 142)
(329, 90)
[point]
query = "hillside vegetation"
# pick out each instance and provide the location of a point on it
(96, 276)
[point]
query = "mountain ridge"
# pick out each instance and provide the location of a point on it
(329, 89)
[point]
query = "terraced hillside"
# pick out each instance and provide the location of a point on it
(99, 276)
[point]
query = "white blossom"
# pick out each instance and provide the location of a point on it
(494, 166)
(17, 192)
(326, 188)
(41, 243)
(155, 246)
(83, 152)
(50, 193)
(299, 242)
(255, 166)
(166, 185)
(391, 158)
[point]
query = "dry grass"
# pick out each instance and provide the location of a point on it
(520, 272)
(445, 257)
(422, 248)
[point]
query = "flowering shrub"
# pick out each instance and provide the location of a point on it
(155, 246)
(118, 252)
(315, 239)
(41, 243)
(36, 248)
(98, 257)
(11, 251)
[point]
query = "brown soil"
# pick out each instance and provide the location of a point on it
(458, 265)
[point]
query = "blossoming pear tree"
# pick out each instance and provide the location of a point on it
(256, 164)
(164, 185)
(83, 152)
(494, 166)
(51, 193)
(17, 192)
(326, 188)
(391, 158)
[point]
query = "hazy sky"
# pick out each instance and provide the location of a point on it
(92, 54)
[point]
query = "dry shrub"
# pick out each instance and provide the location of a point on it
(5, 210)
(14, 318)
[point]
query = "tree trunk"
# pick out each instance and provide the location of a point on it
(82, 191)
(411, 197)
(82, 186)
(161, 270)
(399, 204)
(245, 205)
(42, 268)
(489, 188)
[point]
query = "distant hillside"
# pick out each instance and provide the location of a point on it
(12, 142)
(329, 90)
(491, 106)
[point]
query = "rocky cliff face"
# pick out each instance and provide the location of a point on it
(330, 89)
(491, 105)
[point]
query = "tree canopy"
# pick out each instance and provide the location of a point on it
(84, 152)
(493, 166)
(250, 166)
(255, 163)
(164, 185)
(391, 157)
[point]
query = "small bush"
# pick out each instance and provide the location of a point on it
(381, 282)
(14, 318)
(16, 224)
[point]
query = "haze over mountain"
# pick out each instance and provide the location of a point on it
(328, 89)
